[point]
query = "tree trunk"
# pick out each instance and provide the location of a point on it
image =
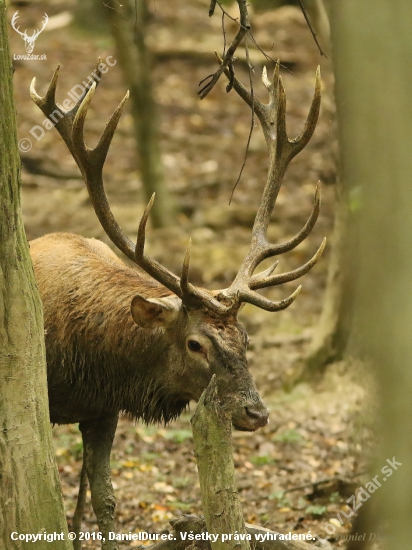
(30, 495)
(333, 332)
(372, 48)
(128, 24)
(332, 335)
(212, 438)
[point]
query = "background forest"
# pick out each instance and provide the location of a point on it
(297, 473)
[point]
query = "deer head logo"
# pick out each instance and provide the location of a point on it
(28, 40)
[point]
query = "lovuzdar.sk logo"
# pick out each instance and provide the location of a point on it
(29, 40)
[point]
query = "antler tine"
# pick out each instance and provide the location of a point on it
(265, 80)
(77, 130)
(263, 280)
(312, 119)
(49, 99)
(184, 279)
(260, 301)
(270, 250)
(102, 148)
(91, 162)
(149, 264)
(267, 272)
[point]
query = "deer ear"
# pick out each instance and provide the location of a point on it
(152, 313)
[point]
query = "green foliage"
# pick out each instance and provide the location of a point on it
(283, 501)
(148, 430)
(76, 450)
(177, 505)
(261, 460)
(181, 482)
(289, 436)
(334, 497)
(301, 503)
(149, 457)
(316, 510)
(355, 199)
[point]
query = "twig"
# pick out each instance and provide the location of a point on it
(252, 122)
(244, 27)
(224, 32)
(228, 56)
(315, 38)
(268, 58)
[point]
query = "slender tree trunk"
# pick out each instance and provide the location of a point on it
(30, 495)
(128, 24)
(372, 51)
(333, 333)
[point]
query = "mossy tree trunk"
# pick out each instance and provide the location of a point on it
(372, 50)
(212, 438)
(30, 495)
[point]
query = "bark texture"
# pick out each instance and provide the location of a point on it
(30, 495)
(212, 438)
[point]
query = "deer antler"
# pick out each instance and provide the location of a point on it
(281, 151)
(70, 125)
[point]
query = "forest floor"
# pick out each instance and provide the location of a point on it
(296, 473)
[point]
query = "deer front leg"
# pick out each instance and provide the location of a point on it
(97, 442)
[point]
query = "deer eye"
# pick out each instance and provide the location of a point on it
(194, 345)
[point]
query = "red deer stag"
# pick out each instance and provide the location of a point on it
(121, 340)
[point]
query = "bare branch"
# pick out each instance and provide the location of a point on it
(315, 37)
(244, 27)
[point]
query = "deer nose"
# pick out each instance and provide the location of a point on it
(261, 417)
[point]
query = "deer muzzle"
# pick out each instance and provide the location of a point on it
(250, 418)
